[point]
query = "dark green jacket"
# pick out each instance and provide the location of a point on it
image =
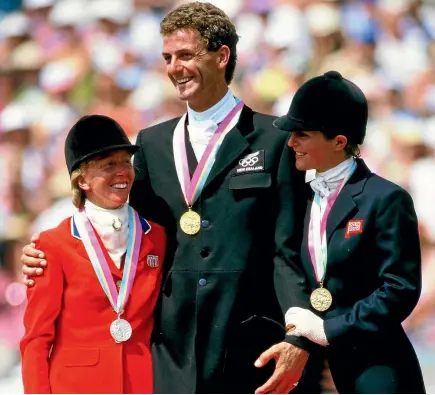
(242, 266)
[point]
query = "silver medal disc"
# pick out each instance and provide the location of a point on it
(120, 330)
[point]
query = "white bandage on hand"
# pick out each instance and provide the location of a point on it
(307, 324)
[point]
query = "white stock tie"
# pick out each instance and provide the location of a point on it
(327, 182)
(320, 186)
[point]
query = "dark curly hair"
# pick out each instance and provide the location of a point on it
(213, 25)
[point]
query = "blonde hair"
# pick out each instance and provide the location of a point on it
(78, 195)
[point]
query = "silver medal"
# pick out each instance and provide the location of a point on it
(120, 330)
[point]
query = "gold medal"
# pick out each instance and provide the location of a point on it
(321, 299)
(190, 222)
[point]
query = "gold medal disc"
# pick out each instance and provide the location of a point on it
(321, 299)
(190, 222)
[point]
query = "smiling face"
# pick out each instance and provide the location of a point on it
(314, 151)
(108, 179)
(197, 74)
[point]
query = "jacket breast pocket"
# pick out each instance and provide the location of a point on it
(251, 181)
(79, 356)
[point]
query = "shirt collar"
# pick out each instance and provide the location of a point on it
(216, 114)
(338, 170)
(329, 181)
(103, 216)
(310, 175)
(341, 168)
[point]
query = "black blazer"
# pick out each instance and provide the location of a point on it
(207, 337)
(374, 275)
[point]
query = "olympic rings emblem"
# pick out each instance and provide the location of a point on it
(250, 160)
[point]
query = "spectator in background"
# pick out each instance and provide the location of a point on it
(12, 293)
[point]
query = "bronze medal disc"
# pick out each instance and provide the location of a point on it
(321, 299)
(190, 222)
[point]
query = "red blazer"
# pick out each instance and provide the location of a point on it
(67, 346)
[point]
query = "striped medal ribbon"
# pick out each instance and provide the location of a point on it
(321, 298)
(120, 329)
(190, 221)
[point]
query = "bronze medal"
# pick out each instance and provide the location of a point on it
(190, 222)
(321, 299)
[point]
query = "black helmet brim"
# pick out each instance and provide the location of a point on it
(131, 148)
(287, 124)
(290, 124)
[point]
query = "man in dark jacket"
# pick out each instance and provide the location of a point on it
(222, 181)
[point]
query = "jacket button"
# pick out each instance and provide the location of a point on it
(205, 223)
(202, 282)
(204, 253)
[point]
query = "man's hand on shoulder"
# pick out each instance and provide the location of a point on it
(290, 362)
(33, 261)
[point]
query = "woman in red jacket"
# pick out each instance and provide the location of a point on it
(89, 318)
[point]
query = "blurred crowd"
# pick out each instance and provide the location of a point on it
(60, 59)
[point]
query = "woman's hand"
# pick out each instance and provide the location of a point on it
(306, 324)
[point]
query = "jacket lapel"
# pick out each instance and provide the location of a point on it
(80, 248)
(145, 247)
(344, 206)
(233, 146)
(171, 169)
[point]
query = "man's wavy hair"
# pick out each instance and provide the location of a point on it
(213, 25)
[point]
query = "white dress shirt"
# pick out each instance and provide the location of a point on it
(326, 183)
(329, 181)
(102, 219)
(202, 125)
